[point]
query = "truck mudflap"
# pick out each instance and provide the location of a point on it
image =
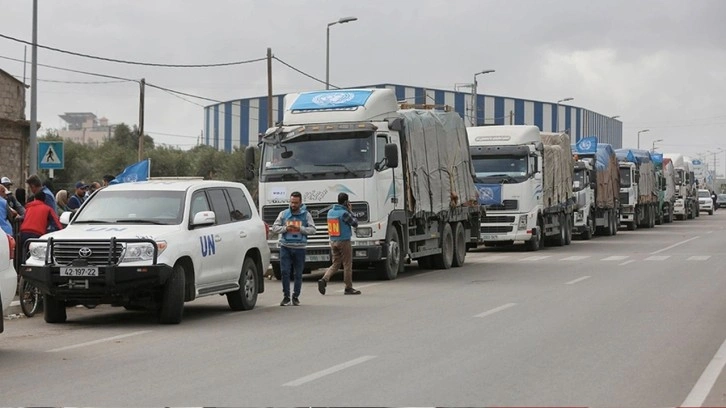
(90, 269)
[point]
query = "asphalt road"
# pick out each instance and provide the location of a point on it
(631, 320)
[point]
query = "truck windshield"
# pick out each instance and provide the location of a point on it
(133, 206)
(579, 179)
(319, 156)
(625, 177)
(501, 169)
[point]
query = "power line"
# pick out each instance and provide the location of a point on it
(75, 82)
(172, 134)
(303, 73)
(72, 70)
(148, 64)
(183, 93)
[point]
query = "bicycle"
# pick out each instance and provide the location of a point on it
(31, 300)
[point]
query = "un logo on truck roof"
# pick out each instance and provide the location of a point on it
(333, 98)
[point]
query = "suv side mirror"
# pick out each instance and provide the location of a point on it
(65, 217)
(204, 218)
(391, 152)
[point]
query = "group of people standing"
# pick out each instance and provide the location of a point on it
(294, 225)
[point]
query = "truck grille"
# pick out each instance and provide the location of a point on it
(64, 253)
(505, 205)
(624, 198)
(491, 219)
(496, 229)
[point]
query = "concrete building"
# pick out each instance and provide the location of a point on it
(85, 128)
(14, 130)
(238, 122)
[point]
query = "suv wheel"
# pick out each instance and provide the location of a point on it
(172, 297)
(245, 297)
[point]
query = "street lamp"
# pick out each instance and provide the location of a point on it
(639, 132)
(654, 142)
(558, 111)
(475, 120)
(342, 20)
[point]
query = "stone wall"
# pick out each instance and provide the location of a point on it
(14, 130)
(12, 98)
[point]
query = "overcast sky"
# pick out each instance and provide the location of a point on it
(659, 65)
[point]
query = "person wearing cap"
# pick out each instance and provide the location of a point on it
(11, 199)
(341, 222)
(77, 199)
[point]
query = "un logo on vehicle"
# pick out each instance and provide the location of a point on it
(585, 145)
(333, 98)
(486, 193)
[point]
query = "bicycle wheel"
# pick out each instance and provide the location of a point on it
(29, 298)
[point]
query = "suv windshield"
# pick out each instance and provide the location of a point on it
(703, 193)
(319, 156)
(131, 207)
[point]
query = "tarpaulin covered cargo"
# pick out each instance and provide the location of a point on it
(437, 165)
(647, 184)
(557, 169)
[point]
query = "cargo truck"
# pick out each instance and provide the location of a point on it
(524, 178)
(596, 186)
(666, 188)
(685, 205)
(638, 189)
(407, 172)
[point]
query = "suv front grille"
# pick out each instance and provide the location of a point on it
(64, 253)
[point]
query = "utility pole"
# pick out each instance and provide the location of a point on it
(142, 86)
(270, 121)
(33, 163)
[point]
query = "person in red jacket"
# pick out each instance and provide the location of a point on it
(38, 216)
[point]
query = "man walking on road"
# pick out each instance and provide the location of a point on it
(294, 225)
(340, 228)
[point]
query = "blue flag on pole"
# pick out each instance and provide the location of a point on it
(587, 145)
(135, 172)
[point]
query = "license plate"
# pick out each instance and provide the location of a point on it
(488, 237)
(317, 258)
(79, 271)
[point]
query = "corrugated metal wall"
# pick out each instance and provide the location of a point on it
(235, 123)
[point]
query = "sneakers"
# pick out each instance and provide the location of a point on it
(295, 301)
(322, 283)
(285, 301)
(351, 291)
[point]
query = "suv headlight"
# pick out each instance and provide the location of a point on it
(38, 250)
(143, 251)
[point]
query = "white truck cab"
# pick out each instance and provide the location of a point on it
(153, 244)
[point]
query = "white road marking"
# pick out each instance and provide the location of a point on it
(90, 343)
(575, 258)
(495, 310)
(572, 282)
(657, 258)
(674, 245)
(709, 232)
(361, 286)
(705, 383)
(698, 258)
(615, 258)
(626, 262)
(328, 371)
(535, 258)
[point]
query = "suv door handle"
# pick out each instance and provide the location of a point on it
(217, 238)
(242, 234)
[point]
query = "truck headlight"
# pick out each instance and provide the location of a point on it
(364, 232)
(142, 251)
(38, 250)
(522, 221)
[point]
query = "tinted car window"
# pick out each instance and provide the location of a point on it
(220, 206)
(199, 203)
(240, 206)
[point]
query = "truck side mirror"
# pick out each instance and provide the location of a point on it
(593, 185)
(250, 162)
(391, 152)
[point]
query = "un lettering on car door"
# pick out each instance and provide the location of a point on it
(209, 262)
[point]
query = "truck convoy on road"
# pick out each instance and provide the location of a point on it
(407, 171)
(524, 178)
(686, 203)
(596, 186)
(638, 189)
(666, 177)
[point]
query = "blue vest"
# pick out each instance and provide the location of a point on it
(5, 225)
(338, 229)
(301, 220)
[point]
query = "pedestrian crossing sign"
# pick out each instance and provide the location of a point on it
(50, 155)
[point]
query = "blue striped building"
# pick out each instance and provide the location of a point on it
(235, 123)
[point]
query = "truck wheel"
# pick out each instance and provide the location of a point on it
(560, 239)
(590, 230)
(459, 245)
(446, 257)
(55, 310)
(245, 297)
(568, 229)
(388, 269)
(172, 297)
(535, 243)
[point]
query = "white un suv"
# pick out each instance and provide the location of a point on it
(153, 245)
(8, 277)
(705, 202)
